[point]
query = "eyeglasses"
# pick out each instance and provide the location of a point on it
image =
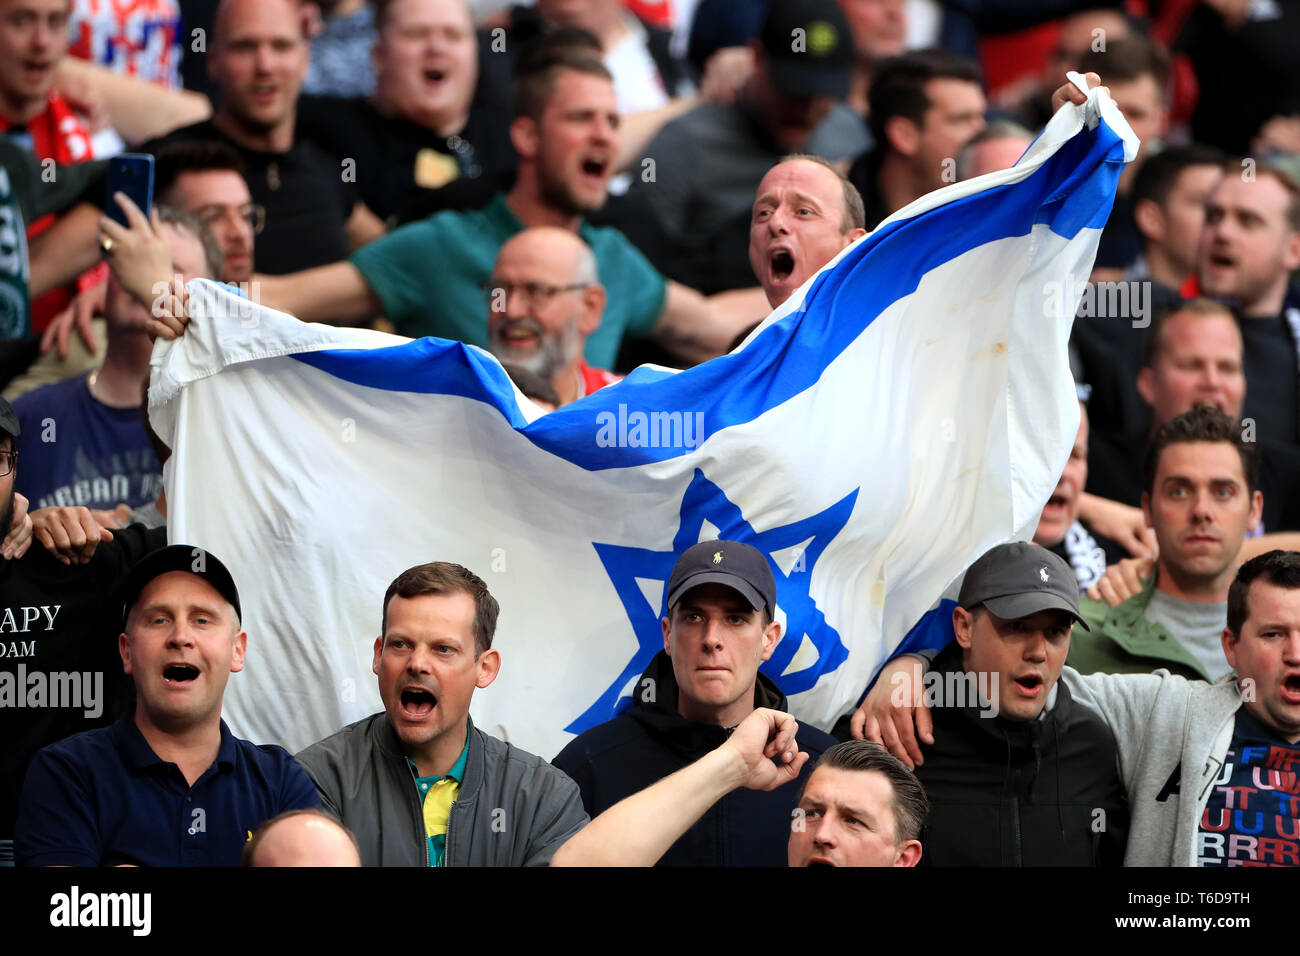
(250, 213)
(8, 459)
(536, 294)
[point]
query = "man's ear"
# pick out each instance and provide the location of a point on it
(1291, 252)
(124, 648)
(1146, 385)
(909, 854)
(1229, 642)
(771, 637)
(379, 652)
(489, 665)
(903, 136)
(667, 628)
(593, 307)
(962, 620)
(1150, 220)
(1146, 509)
(241, 647)
(1256, 510)
(523, 136)
(853, 235)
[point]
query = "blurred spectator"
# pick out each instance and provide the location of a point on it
(1244, 55)
(341, 48)
(1168, 197)
(1030, 103)
(1249, 247)
(1192, 356)
(1200, 495)
(925, 106)
(257, 56)
(33, 114)
(697, 181)
(205, 177)
(720, 599)
(879, 30)
(83, 442)
(544, 301)
(637, 55)
(421, 143)
(1137, 72)
(566, 135)
(26, 196)
(999, 145)
(116, 796)
(805, 213)
(302, 838)
(1059, 528)
(140, 38)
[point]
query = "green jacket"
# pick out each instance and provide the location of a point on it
(1123, 641)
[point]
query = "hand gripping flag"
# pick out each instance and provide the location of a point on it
(908, 408)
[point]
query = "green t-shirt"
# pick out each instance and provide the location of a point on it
(429, 277)
(437, 794)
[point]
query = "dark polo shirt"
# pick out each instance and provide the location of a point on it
(104, 798)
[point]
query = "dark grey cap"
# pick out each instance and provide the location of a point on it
(178, 557)
(741, 567)
(1019, 579)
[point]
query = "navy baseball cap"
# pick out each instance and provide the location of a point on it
(808, 48)
(739, 566)
(1019, 579)
(178, 557)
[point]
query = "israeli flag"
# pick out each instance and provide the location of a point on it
(908, 408)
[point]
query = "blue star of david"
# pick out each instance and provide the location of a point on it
(705, 501)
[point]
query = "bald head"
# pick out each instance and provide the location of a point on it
(545, 298)
(302, 838)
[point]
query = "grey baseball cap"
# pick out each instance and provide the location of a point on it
(1019, 579)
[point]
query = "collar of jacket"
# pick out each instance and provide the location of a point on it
(654, 706)
(388, 743)
(1126, 624)
(1018, 734)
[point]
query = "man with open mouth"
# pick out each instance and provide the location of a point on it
(168, 785)
(1018, 774)
(417, 783)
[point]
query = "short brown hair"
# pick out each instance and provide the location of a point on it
(533, 87)
(443, 577)
(1126, 59)
(1279, 568)
(1204, 423)
(1161, 317)
(855, 213)
(910, 805)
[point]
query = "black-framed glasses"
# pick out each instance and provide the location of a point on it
(8, 460)
(537, 295)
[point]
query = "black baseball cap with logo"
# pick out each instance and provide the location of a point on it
(1019, 579)
(741, 567)
(178, 557)
(808, 47)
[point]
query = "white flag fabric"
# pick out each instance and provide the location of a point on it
(908, 408)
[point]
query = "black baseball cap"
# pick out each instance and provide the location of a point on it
(178, 557)
(8, 420)
(1019, 579)
(741, 567)
(808, 47)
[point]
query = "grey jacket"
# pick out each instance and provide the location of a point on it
(1173, 736)
(513, 809)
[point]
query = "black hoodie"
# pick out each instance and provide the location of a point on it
(1044, 792)
(651, 740)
